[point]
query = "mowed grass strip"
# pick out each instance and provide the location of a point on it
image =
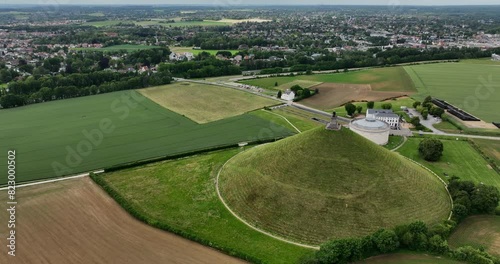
(82, 134)
(204, 103)
(321, 185)
(491, 148)
(478, 231)
(466, 85)
(198, 51)
(391, 79)
(181, 194)
(459, 159)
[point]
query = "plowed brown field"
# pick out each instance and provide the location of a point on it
(74, 221)
(332, 95)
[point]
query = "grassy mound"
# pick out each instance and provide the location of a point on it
(321, 185)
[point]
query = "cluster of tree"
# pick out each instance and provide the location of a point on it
(417, 236)
(302, 93)
(427, 107)
(58, 87)
(430, 149)
(7, 75)
(471, 199)
(199, 69)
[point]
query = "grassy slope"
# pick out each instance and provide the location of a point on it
(482, 230)
(302, 123)
(458, 83)
(181, 194)
(205, 103)
(321, 185)
(381, 79)
(42, 133)
(490, 148)
(459, 159)
(408, 258)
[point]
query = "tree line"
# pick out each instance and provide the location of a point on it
(468, 199)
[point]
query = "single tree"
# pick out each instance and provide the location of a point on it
(279, 94)
(359, 108)
(416, 104)
(387, 106)
(430, 149)
(370, 105)
(276, 84)
(425, 114)
(350, 109)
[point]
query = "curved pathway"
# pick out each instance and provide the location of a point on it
(245, 222)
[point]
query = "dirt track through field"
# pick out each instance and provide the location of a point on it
(332, 95)
(75, 221)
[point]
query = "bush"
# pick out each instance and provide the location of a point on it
(386, 240)
(430, 149)
(387, 106)
(370, 105)
(340, 251)
(437, 244)
(350, 108)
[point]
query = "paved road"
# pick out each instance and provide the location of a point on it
(431, 120)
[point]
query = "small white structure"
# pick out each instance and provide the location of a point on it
(288, 95)
(375, 130)
(384, 115)
(495, 57)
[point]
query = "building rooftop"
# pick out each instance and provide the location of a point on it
(370, 124)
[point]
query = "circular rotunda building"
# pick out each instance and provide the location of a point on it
(372, 129)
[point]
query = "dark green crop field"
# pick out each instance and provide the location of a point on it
(78, 135)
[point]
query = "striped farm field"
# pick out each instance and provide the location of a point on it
(322, 185)
(81, 134)
(204, 103)
(408, 258)
(469, 86)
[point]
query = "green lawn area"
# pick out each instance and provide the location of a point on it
(490, 148)
(469, 86)
(303, 124)
(394, 142)
(204, 103)
(132, 128)
(408, 258)
(380, 79)
(196, 52)
(459, 159)
(181, 195)
(317, 186)
(125, 47)
(478, 231)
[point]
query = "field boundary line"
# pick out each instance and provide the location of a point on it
(439, 178)
(53, 180)
(245, 222)
(298, 130)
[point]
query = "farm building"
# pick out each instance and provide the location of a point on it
(288, 95)
(384, 115)
(375, 130)
(495, 57)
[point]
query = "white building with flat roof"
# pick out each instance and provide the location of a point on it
(288, 95)
(384, 115)
(495, 57)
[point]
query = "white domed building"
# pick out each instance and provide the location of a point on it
(372, 129)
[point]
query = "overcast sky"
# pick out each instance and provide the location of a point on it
(258, 2)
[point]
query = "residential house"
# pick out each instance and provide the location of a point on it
(384, 115)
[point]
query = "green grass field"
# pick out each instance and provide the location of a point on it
(47, 135)
(459, 159)
(196, 52)
(181, 194)
(394, 142)
(491, 148)
(204, 103)
(380, 79)
(126, 47)
(478, 231)
(320, 185)
(469, 86)
(408, 258)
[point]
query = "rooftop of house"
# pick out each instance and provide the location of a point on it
(381, 113)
